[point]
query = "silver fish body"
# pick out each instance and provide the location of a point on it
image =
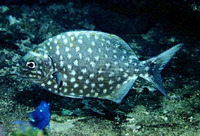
(91, 64)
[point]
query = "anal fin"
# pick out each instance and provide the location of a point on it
(119, 93)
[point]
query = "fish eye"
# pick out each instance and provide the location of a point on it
(31, 64)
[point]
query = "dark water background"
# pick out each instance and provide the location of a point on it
(149, 27)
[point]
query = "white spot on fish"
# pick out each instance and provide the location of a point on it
(76, 85)
(141, 75)
(100, 71)
(111, 74)
(92, 91)
(107, 65)
(93, 43)
(58, 36)
(108, 42)
(80, 41)
(72, 93)
(87, 81)
(89, 50)
(81, 91)
(88, 59)
(69, 55)
(118, 85)
(71, 45)
(73, 73)
(80, 77)
(72, 89)
(39, 72)
(72, 80)
(67, 49)
(126, 64)
(114, 51)
(124, 51)
(49, 83)
(146, 75)
(65, 90)
(76, 34)
(116, 63)
(119, 78)
(61, 63)
(69, 66)
(57, 52)
(63, 36)
(83, 71)
(88, 35)
(76, 62)
(146, 68)
(110, 82)
(77, 48)
(101, 85)
(85, 86)
(111, 88)
(55, 41)
(72, 38)
(121, 69)
(96, 37)
(91, 75)
(100, 78)
(64, 76)
(69, 33)
(136, 70)
(105, 90)
(92, 64)
(65, 41)
(97, 58)
(55, 86)
(64, 84)
(125, 75)
(93, 85)
(107, 49)
(80, 55)
(96, 94)
(61, 57)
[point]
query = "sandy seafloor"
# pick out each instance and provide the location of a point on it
(148, 30)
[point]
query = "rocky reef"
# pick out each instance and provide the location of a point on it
(148, 27)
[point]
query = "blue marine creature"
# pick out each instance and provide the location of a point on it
(40, 118)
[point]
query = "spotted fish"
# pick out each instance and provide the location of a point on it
(82, 64)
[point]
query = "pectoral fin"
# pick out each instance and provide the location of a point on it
(59, 77)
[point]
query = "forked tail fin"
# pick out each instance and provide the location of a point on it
(155, 66)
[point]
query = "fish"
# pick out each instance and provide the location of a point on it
(96, 64)
(39, 118)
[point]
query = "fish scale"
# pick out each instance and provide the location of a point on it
(82, 64)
